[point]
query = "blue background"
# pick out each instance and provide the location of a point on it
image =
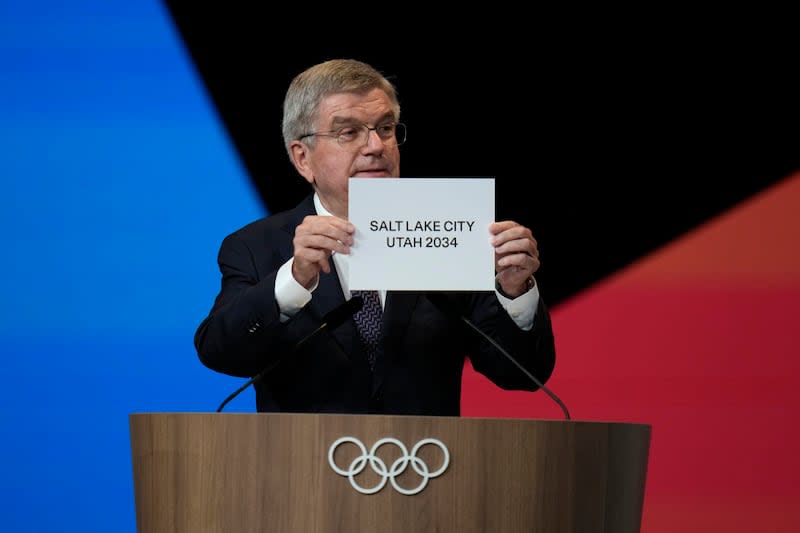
(119, 183)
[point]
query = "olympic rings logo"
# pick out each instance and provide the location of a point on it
(398, 466)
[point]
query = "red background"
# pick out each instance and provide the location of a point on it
(698, 340)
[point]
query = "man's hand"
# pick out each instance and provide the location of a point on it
(314, 242)
(516, 256)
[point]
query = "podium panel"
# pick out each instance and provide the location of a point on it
(259, 472)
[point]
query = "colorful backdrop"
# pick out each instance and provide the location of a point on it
(658, 169)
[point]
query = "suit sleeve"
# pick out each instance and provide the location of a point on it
(242, 333)
(533, 349)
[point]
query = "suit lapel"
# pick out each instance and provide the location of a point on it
(397, 314)
(328, 296)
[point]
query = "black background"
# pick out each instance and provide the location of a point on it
(607, 140)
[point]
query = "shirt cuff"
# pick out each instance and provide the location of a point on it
(290, 295)
(521, 309)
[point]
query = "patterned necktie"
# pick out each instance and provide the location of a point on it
(368, 321)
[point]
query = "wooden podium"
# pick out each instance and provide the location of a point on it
(247, 473)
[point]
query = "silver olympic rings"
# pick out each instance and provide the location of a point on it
(398, 466)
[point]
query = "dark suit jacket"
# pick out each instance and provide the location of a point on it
(423, 348)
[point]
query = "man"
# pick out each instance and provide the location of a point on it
(282, 274)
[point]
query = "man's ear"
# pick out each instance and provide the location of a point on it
(301, 161)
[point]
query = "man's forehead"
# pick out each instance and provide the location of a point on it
(355, 106)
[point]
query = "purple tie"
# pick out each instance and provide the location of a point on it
(368, 322)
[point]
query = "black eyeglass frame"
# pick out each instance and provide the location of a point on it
(399, 133)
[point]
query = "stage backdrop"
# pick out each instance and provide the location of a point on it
(669, 257)
(118, 183)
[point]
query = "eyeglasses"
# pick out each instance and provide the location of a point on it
(355, 136)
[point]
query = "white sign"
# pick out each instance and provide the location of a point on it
(421, 234)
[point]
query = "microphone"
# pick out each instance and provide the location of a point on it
(446, 306)
(332, 319)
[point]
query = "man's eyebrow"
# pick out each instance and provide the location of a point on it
(345, 119)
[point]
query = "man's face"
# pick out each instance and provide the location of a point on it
(329, 164)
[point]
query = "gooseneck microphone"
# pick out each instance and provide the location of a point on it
(446, 306)
(332, 319)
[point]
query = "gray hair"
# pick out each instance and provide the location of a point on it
(313, 85)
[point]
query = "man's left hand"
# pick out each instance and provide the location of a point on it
(516, 256)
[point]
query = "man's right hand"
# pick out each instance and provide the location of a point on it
(314, 242)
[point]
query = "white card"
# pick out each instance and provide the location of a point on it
(421, 234)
